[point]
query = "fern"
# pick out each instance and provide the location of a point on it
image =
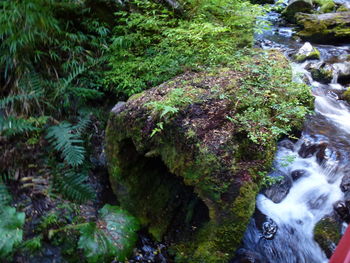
(82, 125)
(72, 185)
(14, 98)
(12, 126)
(5, 197)
(64, 139)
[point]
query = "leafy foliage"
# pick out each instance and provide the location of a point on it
(266, 83)
(11, 232)
(151, 44)
(112, 236)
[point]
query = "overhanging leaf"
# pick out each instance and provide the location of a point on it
(11, 232)
(112, 236)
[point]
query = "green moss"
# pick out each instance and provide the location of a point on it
(346, 95)
(342, 8)
(327, 234)
(314, 54)
(326, 6)
(217, 242)
(322, 75)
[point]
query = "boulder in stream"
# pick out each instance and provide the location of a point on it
(327, 234)
(324, 28)
(297, 6)
(182, 163)
(307, 51)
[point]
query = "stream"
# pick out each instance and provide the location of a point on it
(312, 168)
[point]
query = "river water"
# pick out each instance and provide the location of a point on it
(282, 229)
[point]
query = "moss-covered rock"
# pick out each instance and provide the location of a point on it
(324, 28)
(307, 51)
(327, 234)
(296, 6)
(325, 6)
(184, 156)
(346, 95)
(322, 74)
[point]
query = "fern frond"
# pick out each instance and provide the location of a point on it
(63, 139)
(5, 197)
(72, 185)
(82, 125)
(14, 98)
(12, 126)
(76, 71)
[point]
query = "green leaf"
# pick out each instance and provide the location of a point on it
(112, 236)
(11, 232)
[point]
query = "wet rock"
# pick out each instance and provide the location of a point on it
(321, 72)
(296, 174)
(346, 95)
(279, 190)
(307, 51)
(324, 28)
(308, 149)
(327, 234)
(342, 210)
(342, 71)
(296, 6)
(246, 256)
(288, 144)
(269, 229)
(266, 226)
(326, 153)
(345, 183)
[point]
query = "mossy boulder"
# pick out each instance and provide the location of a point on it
(184, 157)
(327, 234)
(325, 6)
(307, 51)
(346, 95)
(324, 28)
(296, 6)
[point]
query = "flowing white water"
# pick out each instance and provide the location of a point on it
(311, 196)
(282, 228)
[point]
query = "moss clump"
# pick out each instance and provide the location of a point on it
(314, 54)
(201, 137)
(346, 95)
(327, 234)
(325, 6)
(322, 75)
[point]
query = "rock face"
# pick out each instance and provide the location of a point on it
(183, 168)
(325, 28)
